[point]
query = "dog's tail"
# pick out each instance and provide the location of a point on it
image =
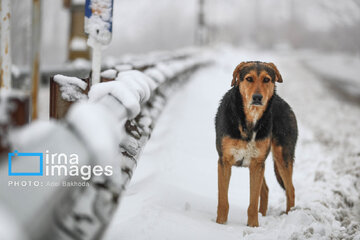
(278, 178)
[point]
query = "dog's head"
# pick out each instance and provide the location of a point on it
(256, 82)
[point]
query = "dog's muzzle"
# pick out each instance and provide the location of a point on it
(256, 99)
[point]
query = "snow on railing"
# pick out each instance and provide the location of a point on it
(109, 126)
(70, 86)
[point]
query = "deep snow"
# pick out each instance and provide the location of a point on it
(173, 193)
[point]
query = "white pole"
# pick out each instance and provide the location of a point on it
(96, 61)
(5, 80)
(98, 25)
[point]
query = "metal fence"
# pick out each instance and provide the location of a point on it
(102, 129)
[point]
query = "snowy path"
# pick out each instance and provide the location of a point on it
(173, 194)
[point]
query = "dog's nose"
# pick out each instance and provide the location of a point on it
(257, 97)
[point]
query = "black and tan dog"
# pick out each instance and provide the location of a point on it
(251, 120)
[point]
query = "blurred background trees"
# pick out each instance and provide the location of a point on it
(144, 25)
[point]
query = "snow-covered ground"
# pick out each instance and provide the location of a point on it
(173, 193)
(341, 72)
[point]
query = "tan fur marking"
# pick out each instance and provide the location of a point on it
(285, 173)
(231, 145)
(224, 174)
(263, 148)
(264, 196)
(228, 144)
(257, 167)
(236, 80)
(256, 178)
(242, 133)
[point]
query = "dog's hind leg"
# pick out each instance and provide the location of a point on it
(224, 173)
(264, 194)
(284, 167)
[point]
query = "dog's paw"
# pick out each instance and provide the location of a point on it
(262, 211)
(253, 223)
(221, 220)
(287, 211)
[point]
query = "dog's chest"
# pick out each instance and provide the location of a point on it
(243, 153)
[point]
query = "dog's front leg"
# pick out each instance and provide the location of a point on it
(224, 173)
(256, 178)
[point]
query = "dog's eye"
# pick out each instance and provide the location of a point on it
(249, 79)
(266, 79)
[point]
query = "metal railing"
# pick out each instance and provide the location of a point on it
(102, 130)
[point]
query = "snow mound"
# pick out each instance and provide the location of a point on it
(97, 126)
(120, 90)
(110, 74)
(131, 88)
(136, 81)
(123, 67)
(78, 44)
(156, 74)
(166, 70)
(71, 87)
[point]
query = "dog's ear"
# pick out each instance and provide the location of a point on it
(278, 77)
(236, 74)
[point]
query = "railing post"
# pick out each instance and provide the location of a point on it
(59, 106)
(14, 112)
(201, 34)
(77, 47)
(5, 78)
(35, 55)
